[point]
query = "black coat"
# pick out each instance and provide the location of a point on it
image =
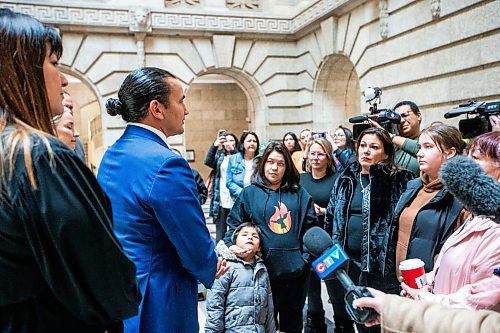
(61, 267)
(434, 223)
(386, 186)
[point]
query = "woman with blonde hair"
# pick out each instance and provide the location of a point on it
(318, 181)
(62, 268)
(65, 128)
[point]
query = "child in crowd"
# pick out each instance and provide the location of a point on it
(241, 300)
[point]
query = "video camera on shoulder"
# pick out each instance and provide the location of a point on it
(472, 127)
(385, 117)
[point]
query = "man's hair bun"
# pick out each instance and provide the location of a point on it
(114, 106)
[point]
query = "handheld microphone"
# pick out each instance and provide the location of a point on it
(331, 263)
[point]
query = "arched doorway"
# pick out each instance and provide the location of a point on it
(215, 101)
(337, 95)
(87, 116)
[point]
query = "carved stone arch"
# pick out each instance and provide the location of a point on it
(336, 94)
(257, 106)
(221, 98)
(88, 104)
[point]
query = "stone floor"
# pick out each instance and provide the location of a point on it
(202, 304)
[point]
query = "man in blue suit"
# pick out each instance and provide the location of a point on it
(157, 217)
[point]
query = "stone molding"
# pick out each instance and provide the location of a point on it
(384, 19)
(165, 20)
(435, 8)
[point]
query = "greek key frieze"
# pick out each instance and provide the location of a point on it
(183, 21)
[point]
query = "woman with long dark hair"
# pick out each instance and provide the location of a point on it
(291, 142)
(318, 181)
(221, 202)
(358, 215)
(283, 210)
(343, 144)
(62, 269)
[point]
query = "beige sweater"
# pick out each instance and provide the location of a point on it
(400, 315)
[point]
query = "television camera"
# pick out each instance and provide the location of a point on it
(472, 127)
(385, 117)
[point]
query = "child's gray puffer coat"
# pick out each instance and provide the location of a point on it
(241, 300)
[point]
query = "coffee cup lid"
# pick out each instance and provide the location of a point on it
(411, 264)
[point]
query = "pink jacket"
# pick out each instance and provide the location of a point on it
(463, 272)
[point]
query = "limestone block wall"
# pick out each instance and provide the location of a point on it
(306, 69)
(212, 106)
(438, 62)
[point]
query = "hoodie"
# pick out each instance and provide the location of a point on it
(283, 215)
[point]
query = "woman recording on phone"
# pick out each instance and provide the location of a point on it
(218, 159)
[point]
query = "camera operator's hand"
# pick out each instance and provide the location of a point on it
(495, 123)
(375, 124)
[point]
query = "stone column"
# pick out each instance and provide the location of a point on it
(435, 8)
(140, 25)
(384, 19)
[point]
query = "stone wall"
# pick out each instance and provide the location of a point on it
(300, 68)
(213, 106)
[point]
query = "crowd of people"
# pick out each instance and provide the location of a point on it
(124, 252)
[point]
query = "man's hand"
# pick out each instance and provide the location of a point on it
(374, 302)
(375, 124)
(222, 268)
(238, 251)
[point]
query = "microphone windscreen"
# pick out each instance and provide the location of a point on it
(468, 182)
(317, 241)
(357, 119)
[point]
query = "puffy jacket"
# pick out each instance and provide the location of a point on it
(235, 174)
(463, 273)
(241, 300)
(283, 216)
(378, 207)
(213, 160)
(437, 221)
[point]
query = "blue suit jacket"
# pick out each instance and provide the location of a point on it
(161, 226)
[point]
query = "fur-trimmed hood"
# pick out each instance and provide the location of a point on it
(468, 182)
